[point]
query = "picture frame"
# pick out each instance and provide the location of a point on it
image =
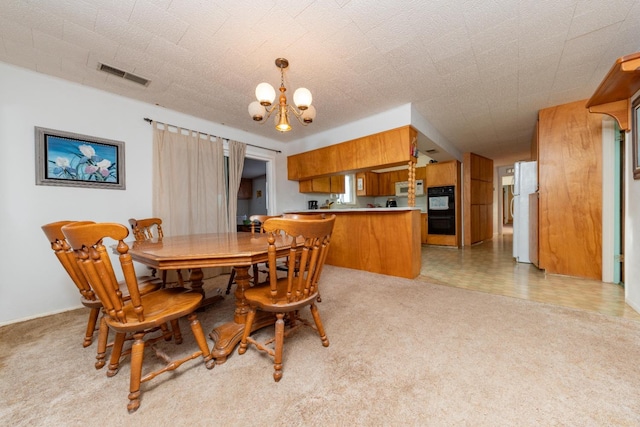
(72, 160)
(635, 135)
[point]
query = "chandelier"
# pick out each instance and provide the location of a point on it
(262, 109)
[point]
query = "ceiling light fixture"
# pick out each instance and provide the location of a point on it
(261, 109)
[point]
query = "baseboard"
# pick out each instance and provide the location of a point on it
(39, 315)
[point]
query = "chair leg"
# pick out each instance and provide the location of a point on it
(232, 277)
(316, 318)
(256, 275)
(116, 353)
(103, 338)
(137, 355)
(279, 344)
(180, 279)
(175, 326)
(91, 327)
(251, 315)
(198, 333)
(164, 278)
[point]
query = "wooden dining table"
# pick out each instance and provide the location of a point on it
(198, 251)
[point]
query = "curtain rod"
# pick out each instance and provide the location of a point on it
(146, 119)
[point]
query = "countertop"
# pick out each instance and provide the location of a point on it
(372, 210)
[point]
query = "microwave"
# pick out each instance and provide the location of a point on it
(402, 188)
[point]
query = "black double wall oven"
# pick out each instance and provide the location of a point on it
(441, 210)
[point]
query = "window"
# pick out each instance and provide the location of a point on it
(349, 195)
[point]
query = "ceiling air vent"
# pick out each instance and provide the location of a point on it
(123, 74)
(432, 151)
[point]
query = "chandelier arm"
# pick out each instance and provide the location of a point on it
(298, 114)
(269, 111)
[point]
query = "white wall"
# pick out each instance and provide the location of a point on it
(33, 282)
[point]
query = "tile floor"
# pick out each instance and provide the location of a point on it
(490, 267)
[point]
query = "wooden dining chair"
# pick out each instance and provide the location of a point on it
(141, 313)
(302, 216)
(148, 228)
(256, 227)
(286, 296)
(88, 298)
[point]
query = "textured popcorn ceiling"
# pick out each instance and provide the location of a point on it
(477, 70)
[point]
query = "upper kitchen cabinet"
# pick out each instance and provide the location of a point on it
(327, 185)
(387, 181)
(367, 184)
(443, 173)
(321, 162)
(384, 149)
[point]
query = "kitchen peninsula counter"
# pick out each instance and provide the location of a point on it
(379, 240)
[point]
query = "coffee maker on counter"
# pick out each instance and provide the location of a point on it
(391, 203)
(313, 204)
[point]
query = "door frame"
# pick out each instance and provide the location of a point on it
(612, 201)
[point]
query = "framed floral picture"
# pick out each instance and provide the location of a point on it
(73, 160)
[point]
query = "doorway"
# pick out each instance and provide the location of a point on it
(254, 177)
(507, 200)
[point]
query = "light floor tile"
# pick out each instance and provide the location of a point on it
(490, 267)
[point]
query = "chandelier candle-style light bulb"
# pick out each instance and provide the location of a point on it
(262, 109)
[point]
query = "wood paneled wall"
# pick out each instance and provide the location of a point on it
(570, 186)
(478, 198)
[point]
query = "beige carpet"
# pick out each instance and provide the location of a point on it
(402, 352)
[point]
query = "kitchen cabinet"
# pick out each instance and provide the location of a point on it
(424, 228)
(387, 181)
(478, 198)
(443, 173)
(384, 149)
(367, 184)
(337, 184)
(246, 189)
(327, 185)
(383, 241)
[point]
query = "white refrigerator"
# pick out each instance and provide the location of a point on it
(525, 182)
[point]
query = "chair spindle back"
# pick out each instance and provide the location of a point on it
(310, 239)
(95, 263)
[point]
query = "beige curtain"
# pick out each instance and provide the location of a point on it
(236, 163)
(189, 188)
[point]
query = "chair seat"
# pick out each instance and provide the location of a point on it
(159, 307)
(260, 296)
(146, 284)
